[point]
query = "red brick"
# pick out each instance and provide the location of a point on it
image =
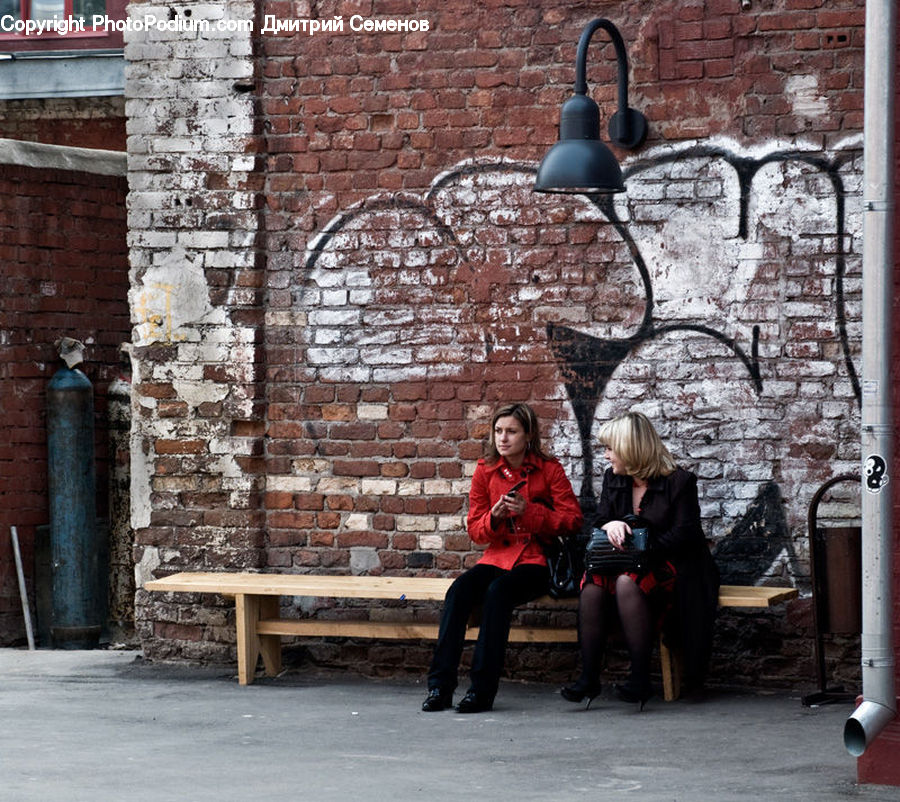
(348, 540)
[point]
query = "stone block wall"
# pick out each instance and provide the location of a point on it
(339, 268)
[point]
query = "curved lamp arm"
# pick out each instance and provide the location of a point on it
(627, 127)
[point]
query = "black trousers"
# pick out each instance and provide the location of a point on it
(498, 591)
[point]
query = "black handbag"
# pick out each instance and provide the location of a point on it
(604, 559)
(565, 559)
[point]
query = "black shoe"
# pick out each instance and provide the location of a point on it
(472, 703)
(634, 692)
(577, 692)
(437, 700)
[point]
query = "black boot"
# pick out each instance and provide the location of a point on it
(437, 700)
(473, 703)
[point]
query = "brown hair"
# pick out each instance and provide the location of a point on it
(525, 415)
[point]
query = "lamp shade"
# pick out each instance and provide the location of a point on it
(579, 162)
(579, 166)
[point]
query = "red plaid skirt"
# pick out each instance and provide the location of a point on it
(657, 584)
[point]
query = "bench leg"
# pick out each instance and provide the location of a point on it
(270, 645)
(246, 615)
(248, 610)
(670, 665)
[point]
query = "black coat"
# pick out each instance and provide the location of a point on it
(672, 509)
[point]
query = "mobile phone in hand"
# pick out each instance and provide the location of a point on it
(516, 488)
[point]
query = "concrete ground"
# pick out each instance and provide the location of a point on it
(106, 725)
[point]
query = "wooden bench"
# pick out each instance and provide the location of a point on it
(259, 627)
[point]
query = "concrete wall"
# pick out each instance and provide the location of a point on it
(338, 268)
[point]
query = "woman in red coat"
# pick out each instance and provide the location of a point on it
(520, 500)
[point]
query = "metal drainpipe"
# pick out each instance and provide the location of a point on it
(879, 704)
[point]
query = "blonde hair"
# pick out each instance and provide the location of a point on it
(637, 445)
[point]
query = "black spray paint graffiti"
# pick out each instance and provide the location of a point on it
(587, 362)
(876, 473)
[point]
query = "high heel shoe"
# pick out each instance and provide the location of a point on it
(580, 689)
(634, 692)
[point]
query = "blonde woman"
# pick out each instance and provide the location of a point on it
(643, 485)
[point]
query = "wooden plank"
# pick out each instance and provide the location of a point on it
(389, 630)
(535, 634)
(397, 588)
(347, 629)
(358, 587)
(752, 596)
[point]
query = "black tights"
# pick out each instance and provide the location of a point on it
(637, 625)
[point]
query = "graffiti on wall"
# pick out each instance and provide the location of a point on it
(720, 295)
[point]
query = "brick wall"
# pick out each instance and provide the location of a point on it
(75, 122)
(198, 300)
(63, 250)
(337, 275)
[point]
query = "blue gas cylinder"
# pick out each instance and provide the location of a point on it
(76, 609)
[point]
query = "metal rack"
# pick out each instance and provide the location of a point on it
(837, 597)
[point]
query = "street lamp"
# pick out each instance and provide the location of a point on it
(580, 162)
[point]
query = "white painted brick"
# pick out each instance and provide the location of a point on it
(431, 542)
(416, 523)
(334, 298)
(360, 375)
(289, 484)
(332, 484)
(152, 239)
(332, 356)
(334, 317)
(388, 317)
(363, 337)
(327, 336)
(392, 356)
(415, 373)
(379, 487)
(409, 487)
(461, 487)
(361, 297)
(372, 411)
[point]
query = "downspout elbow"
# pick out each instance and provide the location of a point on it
(867, 721)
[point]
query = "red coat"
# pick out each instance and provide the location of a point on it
(552, 510)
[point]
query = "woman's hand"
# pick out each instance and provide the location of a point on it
(617, 531)
(508, 506)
